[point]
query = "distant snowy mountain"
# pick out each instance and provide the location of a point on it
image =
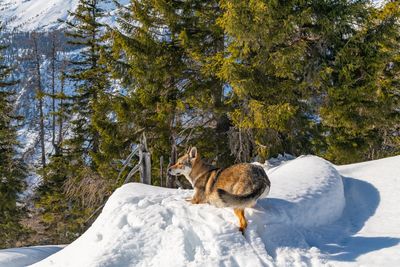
(317, 214)
(29, 15)
(21, 18)
(43, 15)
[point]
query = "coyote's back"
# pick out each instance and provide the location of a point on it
(239, 186)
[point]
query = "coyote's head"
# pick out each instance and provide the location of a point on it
(184, 164)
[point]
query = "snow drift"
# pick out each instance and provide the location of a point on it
(371, 219)
(299, 224)
(307, 192)
(26, 256)
(144, 225)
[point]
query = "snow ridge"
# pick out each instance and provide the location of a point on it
(143, 225)
(313, 217)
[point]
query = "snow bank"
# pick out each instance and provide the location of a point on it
(372, 214)
(307, 191)
(18, 257)
(295, 226)
(385, 175)
(143, 225)
(148, 226)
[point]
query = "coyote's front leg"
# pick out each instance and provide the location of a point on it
(198, 197)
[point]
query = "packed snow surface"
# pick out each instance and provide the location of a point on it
(373, 214)
(143, 225)
(312, 217)
(26, 256)
(308, 190)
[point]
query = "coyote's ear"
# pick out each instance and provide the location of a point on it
(193, 153)
(188, 151)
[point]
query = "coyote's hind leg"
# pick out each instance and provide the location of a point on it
(242, 220)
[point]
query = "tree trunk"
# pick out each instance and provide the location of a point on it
(53, 90)
(171, 179)
(60, 117)
(145, 168)
(161, 170)
(40, 95)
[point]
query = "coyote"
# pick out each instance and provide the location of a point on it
(238, 186)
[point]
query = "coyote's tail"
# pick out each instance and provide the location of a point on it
(243, 201)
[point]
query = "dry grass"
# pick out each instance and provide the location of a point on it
(89, 188)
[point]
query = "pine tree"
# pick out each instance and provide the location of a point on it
(40, 94)
(361, 111)
(152, 71)
(62, 217)
(275, 54)
(165, 54)
(12, 169)
(90, 76)
(72, 187)
(53, 65)
(85, 32)
(267, 62)
(203, 42)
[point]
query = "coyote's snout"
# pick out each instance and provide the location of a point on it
(238, 186)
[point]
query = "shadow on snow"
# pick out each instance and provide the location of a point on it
(338, 239)
(362, 200)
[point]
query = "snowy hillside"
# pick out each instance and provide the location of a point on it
(21, 18)
(42, 15)
(29, 15)
(310, 218)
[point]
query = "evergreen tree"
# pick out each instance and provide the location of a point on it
(165, 54)
(62, 217)
(203, 42)
(152, 70)
(85, 32)
(12, 169)
(40, 94)
(72, 187)
(268, 44)
(275, 54)
(361, 110)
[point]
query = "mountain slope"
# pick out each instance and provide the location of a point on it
(43, 15)
(29, 15)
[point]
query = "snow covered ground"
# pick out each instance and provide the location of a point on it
(26, 256)
(317, 214)
(373, 212)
